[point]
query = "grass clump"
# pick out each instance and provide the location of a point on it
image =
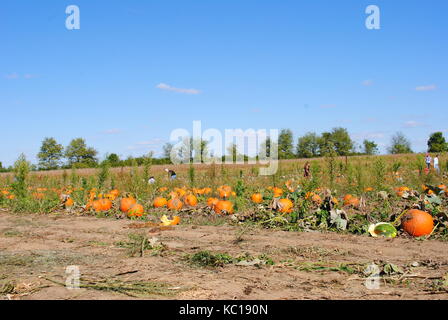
(139, 243)
(208, 259)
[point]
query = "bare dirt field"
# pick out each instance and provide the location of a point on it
(36, 249)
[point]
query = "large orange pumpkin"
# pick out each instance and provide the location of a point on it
(136, 210)
(160, 202)
(285, 206)
(224, 206)
(102, 205)
(257, 198)
(126, 204)
(174, 204)
(191, 200)
(417, 223)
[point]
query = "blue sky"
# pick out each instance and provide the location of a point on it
(138, 69)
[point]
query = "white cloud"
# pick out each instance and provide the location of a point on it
(367, 83)
(413, 124)
(153, 143)
(164, 86)
(15, 75)
(112, 131)
(369, 135)
(430, 87)
(150, 142)
(12, 76)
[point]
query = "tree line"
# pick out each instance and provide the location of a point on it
(337, 142)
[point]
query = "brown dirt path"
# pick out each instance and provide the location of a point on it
(34, 247)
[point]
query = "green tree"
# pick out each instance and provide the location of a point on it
(80, 155)
(400, 144)
(268, 149)
(338, 140)
(113, 159)
(370, 147)
(308, 146)
(21, 170)
(167, 150)
(285, 144)
(50, 154)
(232, 152)
(437, 143)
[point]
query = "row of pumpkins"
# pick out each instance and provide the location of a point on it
(415, 222)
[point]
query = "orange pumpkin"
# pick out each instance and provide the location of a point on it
(191, 200)
(126, 204)
(207, 191)
(211, 202)
(317, 199)
(160, 202)
(401, 191)
(285, 206)
(225, 192)
(180, 191)
(113, 194)
(277, 192)
(174, 204)
(96, 205)
(136, 210)
(175, 221)
(69, 203)
(257, 198)
(102, 205)
(417, 223)
(224, 206)
(351, 201)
